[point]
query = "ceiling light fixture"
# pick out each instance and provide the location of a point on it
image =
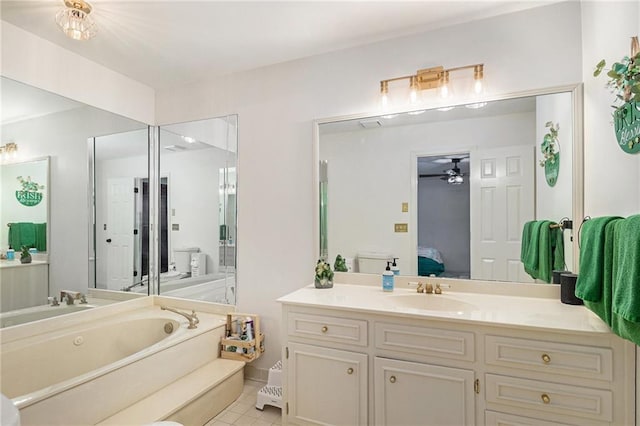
(433, 78)
(74, 20)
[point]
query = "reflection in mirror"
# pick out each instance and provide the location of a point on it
(198, 162)
(24, 192)
(44, 125)
(445, 191)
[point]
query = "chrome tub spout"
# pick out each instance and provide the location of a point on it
(192, 317)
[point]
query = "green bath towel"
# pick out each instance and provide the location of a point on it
(526, 240)
(626, 269)
(602, 307)
(542, 249)
(593, 257)
(532, 254)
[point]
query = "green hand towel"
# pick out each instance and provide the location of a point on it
(602, 307)
(557, 239)
(592, 258)
(532, 256)
(41, 236)
(526, 240)
(626, 269)
(22, 234)
(546, 250)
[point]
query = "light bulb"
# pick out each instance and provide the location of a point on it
(384, 95)
(413, 93)
(444, 85)
(477, 87)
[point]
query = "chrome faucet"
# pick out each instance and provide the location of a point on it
(193, 318)
(69, 296)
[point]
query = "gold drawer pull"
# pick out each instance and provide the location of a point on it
(392, 379)
(545, 398)
(349, 370)
(546, 358)
(325, 328)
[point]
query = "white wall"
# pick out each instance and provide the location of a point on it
(63, 137)
(555, 202)
(32, 60)
(607, 28)
(276, 254)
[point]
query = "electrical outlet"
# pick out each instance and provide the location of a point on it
(401, 227)
(175, 226)
(405, 207)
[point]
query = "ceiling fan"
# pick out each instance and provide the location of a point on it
(453, 175)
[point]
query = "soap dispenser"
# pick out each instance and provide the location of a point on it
(387, 279)
(394, 267)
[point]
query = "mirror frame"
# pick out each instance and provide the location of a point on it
(577, 184)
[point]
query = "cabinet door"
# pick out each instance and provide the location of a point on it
(409, 393)
(326, 386)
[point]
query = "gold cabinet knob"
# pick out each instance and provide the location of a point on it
(545, 398)
(546, 358)
(325, 328)
(349, 370)
(392, 379)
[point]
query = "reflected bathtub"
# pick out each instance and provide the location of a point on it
(23, 316)
(84, 368)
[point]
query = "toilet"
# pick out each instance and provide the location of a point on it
(370, 262)
(182, 259)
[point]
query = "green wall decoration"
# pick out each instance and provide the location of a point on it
(30, 194)
(624, 80)
(550, 148)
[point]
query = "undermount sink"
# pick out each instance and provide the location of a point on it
(431, 302)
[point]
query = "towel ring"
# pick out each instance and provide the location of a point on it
(586, 218)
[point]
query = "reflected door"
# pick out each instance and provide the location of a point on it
(119, 230)
(502, 200)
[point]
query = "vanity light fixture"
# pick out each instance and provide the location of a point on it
(433, 78)
(74, 20)
(9, 151)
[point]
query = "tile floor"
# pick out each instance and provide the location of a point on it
(243, 411)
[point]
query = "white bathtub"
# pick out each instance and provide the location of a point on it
(83, 368)
(21, 316)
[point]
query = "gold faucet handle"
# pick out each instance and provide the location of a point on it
(428, 288)
(420, 289)
(438, 290)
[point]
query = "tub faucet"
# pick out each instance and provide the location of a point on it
(193, 318)
(69, 296)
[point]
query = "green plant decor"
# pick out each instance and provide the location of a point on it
(551, 154)
(324, 275)
(624, 81)
(25, 256)
(340, 264)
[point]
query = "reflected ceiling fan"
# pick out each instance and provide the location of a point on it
(453, 175)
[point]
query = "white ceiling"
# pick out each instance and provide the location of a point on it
(169, 43)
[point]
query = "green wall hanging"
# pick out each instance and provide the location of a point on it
(30, 194)
(551, 154)
(624, 80)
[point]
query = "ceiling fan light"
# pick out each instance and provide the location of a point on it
(74, 20)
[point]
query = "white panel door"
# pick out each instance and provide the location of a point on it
(119, 232)
(410, 393)
(502, 199)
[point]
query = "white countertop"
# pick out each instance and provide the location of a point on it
(4, 263)
(494, 309)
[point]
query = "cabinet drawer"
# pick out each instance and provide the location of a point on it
(550, 397)
(425, 341)
(330, 329)
(556, 358)
(493, 418)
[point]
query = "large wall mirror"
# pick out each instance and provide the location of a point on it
(48, 165)
(196, 203)
(447, 191)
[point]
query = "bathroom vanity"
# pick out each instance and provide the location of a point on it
(356, 355)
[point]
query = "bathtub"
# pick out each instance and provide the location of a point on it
(83, 368)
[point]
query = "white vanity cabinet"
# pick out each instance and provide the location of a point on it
(351, 365)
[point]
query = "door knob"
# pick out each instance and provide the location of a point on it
(108, 240)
